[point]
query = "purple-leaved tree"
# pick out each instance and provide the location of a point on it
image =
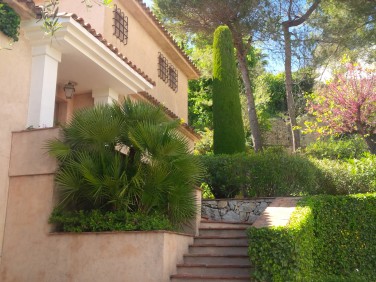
(347, 104)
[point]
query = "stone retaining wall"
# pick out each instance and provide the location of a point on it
(234, 210)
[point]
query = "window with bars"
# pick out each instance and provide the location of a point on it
(173, 78)
(167, 72)
(162, 68)
(120, 25)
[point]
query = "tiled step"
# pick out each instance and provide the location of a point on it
(219, 253)
(206, 278)
(222, 240)
(223, 224)
(216, 259)
(210, 270)
(223, 231)
(218, 249)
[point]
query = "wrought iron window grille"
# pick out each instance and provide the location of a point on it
(173, 78)
(162, 68)
(167, 72)
(120, 25)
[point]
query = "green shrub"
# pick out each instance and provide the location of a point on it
(276, 173)
(345, 235)
(337, 149)
(329, 238)
(268, 173)
(97, 221)
(347, 177)
(283, 254)
(9, 21)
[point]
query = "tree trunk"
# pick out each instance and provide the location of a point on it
(295, 133)
(371, 143)
(252, 115)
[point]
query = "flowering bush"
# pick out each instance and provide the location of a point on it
(347, 104)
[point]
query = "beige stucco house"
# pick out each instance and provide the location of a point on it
(107, 53)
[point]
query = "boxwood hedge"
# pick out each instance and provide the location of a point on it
(329, 238)
(99, 221)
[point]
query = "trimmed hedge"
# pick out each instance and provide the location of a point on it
(265, 174)
(275, 173)
(345, 235)
(99, 221)
(329, 238)
(283, 254)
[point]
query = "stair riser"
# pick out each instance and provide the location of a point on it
(222, 225)
(225, 271)
(222, 241)
(219, 250)
(224, 232)
(208, 280)
(217, 260)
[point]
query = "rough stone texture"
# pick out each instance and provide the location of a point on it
(233, 210)
(280, 134)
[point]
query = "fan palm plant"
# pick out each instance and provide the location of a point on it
(126, 156)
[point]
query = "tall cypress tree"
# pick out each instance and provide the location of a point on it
(229, 137)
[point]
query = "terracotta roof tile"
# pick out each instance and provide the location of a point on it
(32, 6)
(171, 114)
(167, 34)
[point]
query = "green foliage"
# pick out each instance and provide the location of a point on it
(268, 173)
(99, 221)
(205, 145)
(200, 111)
(9, 22)
(283, 254)
(276, 173)
(345, 235)
(337, 148)
(350, 26)
(328, 238)
(347, 177)
(126, 157)
(270, 91)
(206, 192)
(228, 126)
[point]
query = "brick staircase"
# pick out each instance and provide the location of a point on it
(219, 253)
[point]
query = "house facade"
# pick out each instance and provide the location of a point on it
(105, 53)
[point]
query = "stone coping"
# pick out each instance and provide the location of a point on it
(239, 199)
(120, 232)
(278, 213)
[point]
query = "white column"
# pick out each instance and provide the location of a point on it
(104, 96)
(45, 61)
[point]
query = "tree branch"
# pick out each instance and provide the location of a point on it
(302, 19)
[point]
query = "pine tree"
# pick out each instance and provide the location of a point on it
(229, 137)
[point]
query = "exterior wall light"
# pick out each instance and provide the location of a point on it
(69, 89)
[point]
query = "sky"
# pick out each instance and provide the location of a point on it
(148, 2)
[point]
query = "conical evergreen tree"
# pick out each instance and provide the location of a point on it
(229, 137)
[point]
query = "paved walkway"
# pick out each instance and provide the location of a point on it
(278, 213)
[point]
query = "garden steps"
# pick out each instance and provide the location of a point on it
(218, 253)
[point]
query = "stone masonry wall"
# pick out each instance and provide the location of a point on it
(280, 134)
(234, 210)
